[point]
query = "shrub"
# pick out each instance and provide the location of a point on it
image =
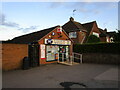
(117, 36)
(97, 48)
(93, 39)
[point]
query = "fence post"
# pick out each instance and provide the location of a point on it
(73, 57)
(81, 58)
(62, 57)
(58, 58)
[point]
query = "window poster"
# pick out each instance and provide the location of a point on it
(42, 48)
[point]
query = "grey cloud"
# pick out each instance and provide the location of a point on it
(67, 5)
(95, 7)
(84, 10)
(28, 29)
(82, 7)
(4, 22)
(96, 4)
(56, 4)
(106, 4)
(2, 18)
(10, 24)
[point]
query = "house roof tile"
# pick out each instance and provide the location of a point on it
(32, 37)
(73, 26)
(88, 26)
(111, 34)
(103, 33)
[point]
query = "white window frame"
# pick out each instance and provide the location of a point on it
(73, 35)
(107, 38)
(96, 34)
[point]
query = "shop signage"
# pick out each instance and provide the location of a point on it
(42, 48)
(49, 41)
(59, 30)
(58, 42)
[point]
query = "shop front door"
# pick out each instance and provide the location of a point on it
(63, 53)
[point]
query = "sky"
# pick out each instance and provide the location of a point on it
(19, 18)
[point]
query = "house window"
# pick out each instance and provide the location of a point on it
(107, 39)
(111, 39)
(72, 34)
(96, 34)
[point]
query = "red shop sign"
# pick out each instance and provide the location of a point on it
(59, 30)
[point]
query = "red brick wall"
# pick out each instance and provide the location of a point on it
(12, 55)
(80, 36)
(95, 29)
(103, 39)
(0, 56)
(56, 36)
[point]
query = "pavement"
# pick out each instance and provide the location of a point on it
(61, 76)
(111, 74)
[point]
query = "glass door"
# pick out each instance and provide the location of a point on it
(63, 53)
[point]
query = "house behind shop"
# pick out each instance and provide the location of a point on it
(79, 33)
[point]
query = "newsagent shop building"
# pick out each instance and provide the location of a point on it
(42, 47)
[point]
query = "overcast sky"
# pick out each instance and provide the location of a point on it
(18, 18)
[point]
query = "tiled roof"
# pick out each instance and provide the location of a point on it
(79, 25)
(111, 34)
(103, 33)
(76, 26)
(73, 26)
(88, 26)
(32, 37)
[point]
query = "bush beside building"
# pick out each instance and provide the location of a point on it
(102, 53)
(113, 48)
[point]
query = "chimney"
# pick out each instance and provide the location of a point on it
(105, 30)
(71, 19)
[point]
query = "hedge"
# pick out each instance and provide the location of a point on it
(97, 48)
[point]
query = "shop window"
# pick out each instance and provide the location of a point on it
(51, 52)
(54, 52)
(73, 35)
